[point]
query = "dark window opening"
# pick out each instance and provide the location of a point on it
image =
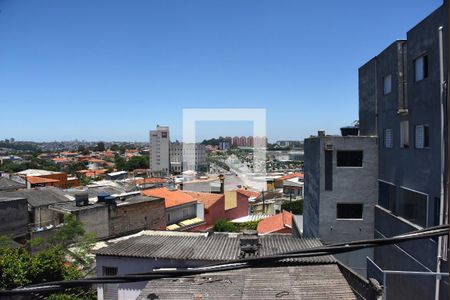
(349, 210)
(328, 170)
(421, 68)
(109, 271)
(349, 158)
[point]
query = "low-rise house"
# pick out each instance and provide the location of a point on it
(279, 223)
(279, 181)
(40, 178)
(151, 250)
(14, 216)
(182, 210)
(228, 206)
(293, 186)
(149, 183)
(7, 184)
(119, 175)
(38, 201)
(109, 216)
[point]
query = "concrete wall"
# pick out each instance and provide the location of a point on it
(94, 220)
(416, 169)
(13, 216)
(312, 188)
(350, 185)
(177, 215)
(136, 217)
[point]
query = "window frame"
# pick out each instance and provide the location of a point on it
(388, 76)
(425, 65)
(404, 136)
(391, 140)
(425, 136)
(105, 270)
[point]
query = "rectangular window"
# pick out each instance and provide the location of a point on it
(349, 210)
(349, 158)
(387, 84)
(386, 195)
(421, 68)
(404, 134)
(413, 207)
(168, 218)
(388, 138)
(109, 271)
(422, 136)
(328, 170)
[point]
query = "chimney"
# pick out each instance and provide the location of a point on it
(249, 242)
(180, 186)
(222, 183)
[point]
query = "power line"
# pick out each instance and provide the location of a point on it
(252, 262)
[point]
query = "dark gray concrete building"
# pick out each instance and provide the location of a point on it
(400, 101)
(340, 174)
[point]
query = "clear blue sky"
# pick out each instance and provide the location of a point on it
(112, 70)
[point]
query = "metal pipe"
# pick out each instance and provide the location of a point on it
(441, 202)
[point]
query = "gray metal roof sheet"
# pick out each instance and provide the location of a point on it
(323, 281)
(211, 247)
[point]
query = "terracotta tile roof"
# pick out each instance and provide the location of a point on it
(289, 176)
(275, 223)
(36, 180)
(249, 194)
(207, 199)
(60, 159)
(172, 198)
(150, 180)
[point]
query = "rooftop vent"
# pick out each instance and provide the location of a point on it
(81, 199)
(249, 243)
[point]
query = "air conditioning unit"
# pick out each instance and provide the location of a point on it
(328, 147)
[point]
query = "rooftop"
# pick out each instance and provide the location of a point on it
(292, 175)
(207, 199)
(172, 198)
(37, 197)
(37, 172)
(324, 281)
(205, 246)
(275, 223)
(38, 180)
(8, 184)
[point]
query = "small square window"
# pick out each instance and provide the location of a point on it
(422, 136)
(421, 68)
(388, 138)
(109, 271)
(349, 211)
(387, 84)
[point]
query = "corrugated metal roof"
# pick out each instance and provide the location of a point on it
(286, 282)
(212, 247)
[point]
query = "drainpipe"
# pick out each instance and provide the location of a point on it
(442, 194)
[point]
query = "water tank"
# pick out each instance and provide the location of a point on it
(110, 200)
(101, 196)
(349, 131)
(81, 199)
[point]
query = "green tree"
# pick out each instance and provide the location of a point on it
(297, 207)
(100, 146)
(222, 225)
(119, 162)
(18, 267)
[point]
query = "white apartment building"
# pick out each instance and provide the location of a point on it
(159, 150)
